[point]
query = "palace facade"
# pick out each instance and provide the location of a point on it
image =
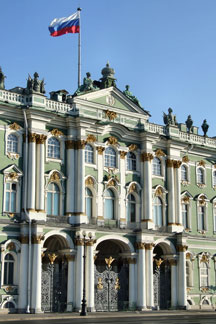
(89, 175)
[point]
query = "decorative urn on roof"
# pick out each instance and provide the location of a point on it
(108, 79)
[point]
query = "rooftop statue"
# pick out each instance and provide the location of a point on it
(35, 85)
(189, 123)
(129, 95)
(205, 127)
(88, 85)
(170, 118)
(2, 78)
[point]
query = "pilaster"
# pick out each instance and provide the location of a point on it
(141, 284)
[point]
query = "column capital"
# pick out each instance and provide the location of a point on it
(140, 246)
(177, 164)
(149, 246)
(70, 144)
(100, 149)
(80, 144)
(173, 262)
(79, 242)
(146, 157)
(36, 239)
(40, 138)
(24, 239)
(182, 248)
(169, 163)
(70, 257)
(32, 137)
(131, 260)
(90, 242)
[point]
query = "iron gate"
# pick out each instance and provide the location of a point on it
(111, 289)
(54, 288)
(162, 286)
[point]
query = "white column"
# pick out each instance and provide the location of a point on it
(23, 274)
(132, 286)
(40, 173)
(178, 192)
(36, 274)
(149, 275)
(70, 203)
(100, 212)
(174, 288)
(147, 190)
(171, 193)
(182, 288)
(80, 180)
(70, 285)
(122, 209)
(31, 171)
(141, 282)
(79, 275)
(90, 277)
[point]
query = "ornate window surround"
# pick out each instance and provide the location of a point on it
(18, 132)
(116, 202)
(163, 169)
(190, 259)
(213, 171)
(202, 167)
(187, 181)
(94, 156)
(214, 214)
(58, 178)
(186, 198)
(90, 183)
(204, 257)
(13, 174)
(160, 192)
(134, 189)
(116, 167)
(13, 247)
(202, 201)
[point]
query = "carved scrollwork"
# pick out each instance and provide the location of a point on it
(182, 248)
(32, 137)
(55, 176)
(11, 246)
(90, 138)
(159, 153)
(41, 138)
(70, 144)
(123, 154)
(146, 156)
(185, 159)
(109, 261)
(89, 181)
(158, 262)
(57, 133)
(132, 147)
(177, 164)
(169, 163)
(100, 284)
(112, 140)
(100, 149)
(133, 188)
(202, 163)
(52, 257)
(12, 176)
(159, 192)
(110, 114)
(15, 126)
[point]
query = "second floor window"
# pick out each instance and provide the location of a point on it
(8, 269)
(200, 176)
(10, 201)
(109, 204)
(88, 202)
(89, 154)
(131, 209)
(214, 178)
(158, 211)
(53, 148)
(156, 166)
(110, 157)
(12, 144)
(131, 161)
(53, 199)
(201, 218)
(204, 282)
(184, 173)
(185, 215)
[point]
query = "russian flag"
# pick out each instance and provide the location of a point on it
(61, 26)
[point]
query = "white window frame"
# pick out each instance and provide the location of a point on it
(162, 160)
(61, 184)
(202, 201)
(61, 140)
(187, 181)
(204, 255)
(213, 184)
(116, 155)
(93, 152)
(19, 135)
(131, 170)
(190, 276)
(214, 214)
(201, 185)
(162, 196)
(116, 203)
(186, 199)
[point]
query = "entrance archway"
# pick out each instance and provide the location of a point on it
(162, 277)
(54, 275)
(111, 276)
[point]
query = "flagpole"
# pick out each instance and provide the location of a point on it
(79, 50)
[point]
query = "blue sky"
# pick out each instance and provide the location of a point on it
(164, 49)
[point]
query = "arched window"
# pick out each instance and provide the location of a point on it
(156, 166)
(185, 216)
(10, 201)
(184, 173)
(189, 273)
(158, 211)
(214, 178)
(8, 269)
(12, 144)
(131, 161)
(200, 176)
(88, 202)
(131, 209)
(204, 281)
(89, 154)
(109, 204)
(110, 157)
(53, 199)
(53, 148)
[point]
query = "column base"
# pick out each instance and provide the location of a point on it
(148, 224)
(142, 308)
(91, 309)
(69, 307)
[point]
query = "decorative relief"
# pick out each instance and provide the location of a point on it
(177, 164)
(110, 100)
(15, 126)
(9, 289)
(202, 200)
(159, 192)
(12, 176)
(89, 181)
(117, 284)
(205, 258)
(110, 114)
(90, 138)
(215, 166)
(204, 289)
(57, 133)
(111, 183)
(52, 257)
(41, 138)
(158, 262)
(109, 261)
(149, 246)
(185, 159)
(99, 284)
(11, 246)
(122, 154)
(182, 248)
(169, 163)
(79, 242)
(13, 156)
(159, 153)
(80, 144)
(36, 239)
(69, 144)
(100, 149)
(133, 188)
(146, 157)
(112, 140)
(55, 177)
(24, 239)
(132, 147)
(185, 200)
(140, 246)
(202, 163)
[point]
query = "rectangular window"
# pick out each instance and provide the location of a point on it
(201, 218)
(185, 215)
(214, 215)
